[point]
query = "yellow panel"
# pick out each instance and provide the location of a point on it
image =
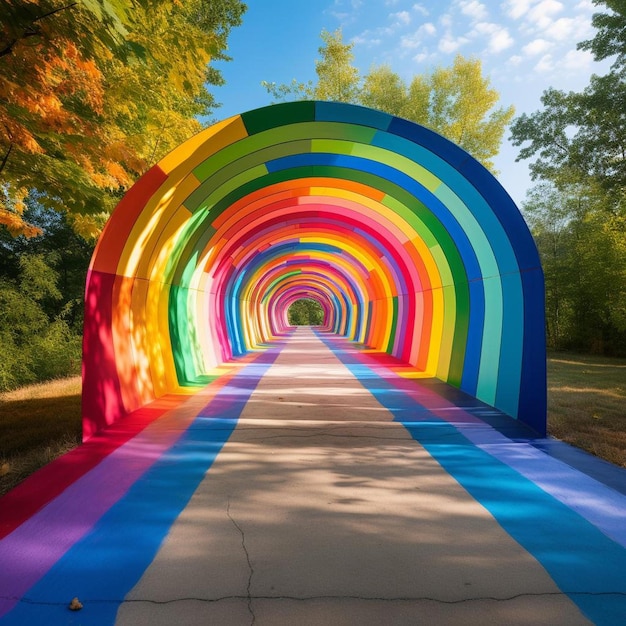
(141, 244)
(197, 149)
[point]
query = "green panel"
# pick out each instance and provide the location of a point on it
(307, 131)
(278, 115)
(459, 343)
(232, 183)
(442, 263)
(409, 216)
(469, 224)
(490, 349)
(191, 231)
(394, 325)
(181, 349)
(410, 168)
(230, 171)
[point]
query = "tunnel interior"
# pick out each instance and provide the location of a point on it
(409, 246)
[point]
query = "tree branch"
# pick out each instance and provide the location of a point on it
(31, 30)
(6, 157)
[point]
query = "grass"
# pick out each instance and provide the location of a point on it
(38, 423)
(587, 404)
(586, 408)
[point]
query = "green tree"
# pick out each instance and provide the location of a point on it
(578, 143)
(33, 346)
(457, 102)
(93, 92)
(610, 38)
(584, 133)
(306, 312)
(584, 264)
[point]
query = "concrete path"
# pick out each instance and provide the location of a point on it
(316, 486)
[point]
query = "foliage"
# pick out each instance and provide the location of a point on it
(306, 312)
(93, 92)
(41, 290)
(578, 214)
(456, 101)
(583, 253)
(610, 40)
(580, 133)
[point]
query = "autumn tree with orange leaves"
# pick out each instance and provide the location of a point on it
(93, 92)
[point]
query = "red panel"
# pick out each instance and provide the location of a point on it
(102, 398)
(116, 233)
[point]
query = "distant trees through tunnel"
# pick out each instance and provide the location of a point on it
(306, 312)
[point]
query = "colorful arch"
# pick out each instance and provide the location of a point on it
(408, 243)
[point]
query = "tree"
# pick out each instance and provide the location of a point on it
(578, 143)
(306, 312)
(584, 133)
(583, 256)
(93, 92)
(610, 40)
(581, 133)
(456, 102)
(42, 281)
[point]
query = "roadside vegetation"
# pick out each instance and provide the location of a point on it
(587, 404)
(38, 423)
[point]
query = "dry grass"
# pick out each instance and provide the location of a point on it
(38, 423)
(587, 404)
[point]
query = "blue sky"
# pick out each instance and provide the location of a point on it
(525, 47)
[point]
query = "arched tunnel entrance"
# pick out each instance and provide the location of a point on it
(408, 244)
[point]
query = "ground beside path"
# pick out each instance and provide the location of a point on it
(317, 487)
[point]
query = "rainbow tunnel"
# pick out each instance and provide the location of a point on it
(409, 245)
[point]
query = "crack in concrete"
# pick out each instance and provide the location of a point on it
(249, 597)
(250, 568)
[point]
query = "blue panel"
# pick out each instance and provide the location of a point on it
(436, 143)
(507, 212)
(509, 370)
(350, 114)
(533, 394)
(474, 337)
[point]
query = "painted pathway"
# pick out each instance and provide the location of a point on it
(311, 484)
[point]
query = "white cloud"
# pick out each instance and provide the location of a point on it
(420, 8)
(543, 13)
(417, 38)
(571, 29)
(446, 20)
(516, 8)
(402, 17)
(366, 39)
(586, 5)
(537, 47)
(449, 44)
(515, 60)
(475, 10)
(421, 57)
(498, 36)
(545, 64)
(577, 60)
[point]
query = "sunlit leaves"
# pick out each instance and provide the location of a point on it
(94, 92)
(457, 101)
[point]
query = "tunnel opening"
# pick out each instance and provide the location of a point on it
(409, 246)
(305, 312)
